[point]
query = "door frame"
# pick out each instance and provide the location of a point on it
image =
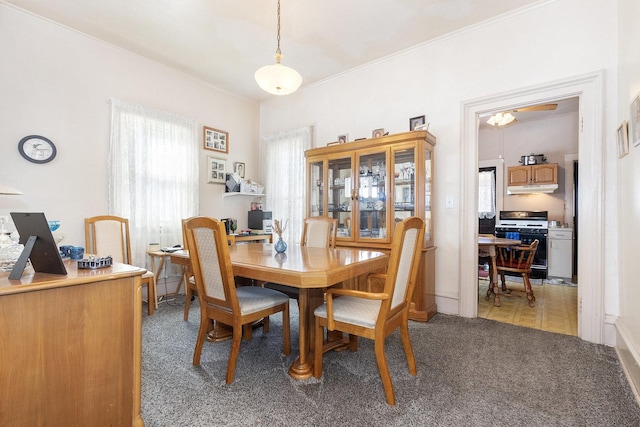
(589, 89)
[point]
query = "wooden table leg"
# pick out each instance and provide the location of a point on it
(308, 300)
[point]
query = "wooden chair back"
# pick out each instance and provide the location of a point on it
(108, 235)
(211, 264)
(516, 259)
(319, 232)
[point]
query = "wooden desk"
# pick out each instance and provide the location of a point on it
(260, 238)
(490, 244)
(308, 269)
(70, 350)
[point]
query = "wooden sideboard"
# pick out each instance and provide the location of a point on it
(70, 347)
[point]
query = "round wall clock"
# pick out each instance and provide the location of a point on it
(37, 149)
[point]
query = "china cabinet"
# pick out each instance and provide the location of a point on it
(371, 185)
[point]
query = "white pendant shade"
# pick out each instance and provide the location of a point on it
(278, 79)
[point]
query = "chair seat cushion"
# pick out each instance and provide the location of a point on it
(255, 298)
(354, 310)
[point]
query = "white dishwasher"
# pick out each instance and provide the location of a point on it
(560, 253)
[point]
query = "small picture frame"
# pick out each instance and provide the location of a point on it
(622, 137)
(216, 140)
(414, 122)
(377, 133)
(238, 167)
(216, 170)
(635, 121)
(343, 138)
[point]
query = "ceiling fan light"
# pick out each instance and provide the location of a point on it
(278, 79)
(501, 119)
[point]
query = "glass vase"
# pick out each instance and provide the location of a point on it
(281, 246)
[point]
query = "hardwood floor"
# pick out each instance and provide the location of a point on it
(556, 307)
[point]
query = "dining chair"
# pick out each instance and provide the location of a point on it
(108, 235)
(317, 232)
(189, 282)
(375, 315)
(219, 298)
(517, 259)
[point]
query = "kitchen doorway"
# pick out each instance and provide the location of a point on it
(589, 90)
(545, 134)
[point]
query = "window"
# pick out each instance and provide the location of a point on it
(153, 163)
(487, 200)
(283, 168)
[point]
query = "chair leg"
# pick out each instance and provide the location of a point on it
(205, 324)
(187, 301)
(317, 349)
(384, 370)
(408, 349)
(286, 331)
(529, 290)
(233, 354)
(504, 282)
(151, 293)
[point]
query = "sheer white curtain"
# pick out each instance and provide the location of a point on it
(283, 172)
(153, 164)
(486, 194)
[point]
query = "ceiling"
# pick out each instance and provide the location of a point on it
(223, 42)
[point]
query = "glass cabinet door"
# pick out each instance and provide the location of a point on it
(372, 196)
(316, 182)
(404, 184)
(428, 172)
(340, 194)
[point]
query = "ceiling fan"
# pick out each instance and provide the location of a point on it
(506, 118)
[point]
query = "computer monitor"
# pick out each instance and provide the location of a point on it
(39, 245)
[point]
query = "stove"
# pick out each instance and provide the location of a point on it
(527, 226)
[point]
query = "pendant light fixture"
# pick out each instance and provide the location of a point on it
(278, 79)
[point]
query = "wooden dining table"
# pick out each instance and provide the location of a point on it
(489, 243)
(310, 270)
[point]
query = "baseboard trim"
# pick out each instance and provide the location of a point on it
(629, 356)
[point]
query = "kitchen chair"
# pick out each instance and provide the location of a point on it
(108, 235)
(219, 298)
(517, 259)
(375, 315)
(317, 232)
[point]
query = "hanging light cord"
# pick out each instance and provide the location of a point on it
(278, 52)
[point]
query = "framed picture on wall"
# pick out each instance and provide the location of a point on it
(622, 138)
(635, 121)
(216, 140)
(216, 170)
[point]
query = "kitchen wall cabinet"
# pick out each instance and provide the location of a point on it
(546, 173)
(371, 185)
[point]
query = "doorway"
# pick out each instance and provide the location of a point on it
(550, 132)
(588, 89)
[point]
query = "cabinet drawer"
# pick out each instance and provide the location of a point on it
(560, 233)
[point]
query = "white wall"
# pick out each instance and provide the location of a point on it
(553, 41)
(628, 184)
(57, 83)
